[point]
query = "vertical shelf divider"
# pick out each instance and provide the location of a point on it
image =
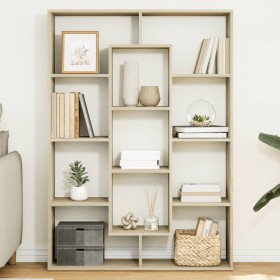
(140, 250)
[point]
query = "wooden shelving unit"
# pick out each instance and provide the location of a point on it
(167, 59)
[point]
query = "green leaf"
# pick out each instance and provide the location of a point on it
(271, 140)
(273, 193)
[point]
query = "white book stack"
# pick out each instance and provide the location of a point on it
(196, 132)
(143, 159)
(200, 192)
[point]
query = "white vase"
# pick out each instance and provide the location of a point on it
(79, 193)
(131, 83)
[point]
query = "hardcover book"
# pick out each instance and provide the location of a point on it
(86, 129)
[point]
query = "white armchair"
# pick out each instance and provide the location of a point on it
(10, 206)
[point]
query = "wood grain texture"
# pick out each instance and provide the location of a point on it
(242, 271)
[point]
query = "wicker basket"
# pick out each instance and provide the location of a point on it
(191, 250)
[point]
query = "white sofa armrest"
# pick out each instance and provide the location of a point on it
(10, 205)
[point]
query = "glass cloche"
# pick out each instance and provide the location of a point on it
(201, 113)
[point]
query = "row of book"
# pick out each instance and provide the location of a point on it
(200, 192)
(206, 227)
(70, 117)
(213, 57)
(140, 159)
(189, 132)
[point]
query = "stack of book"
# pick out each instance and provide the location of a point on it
(70, 117)
(206, 227)
(192, 192)
(213, 131)
(140, 159)
(213, 57)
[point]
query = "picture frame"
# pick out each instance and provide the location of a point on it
(80, 52)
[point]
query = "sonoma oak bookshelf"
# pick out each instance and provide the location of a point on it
(167, 45)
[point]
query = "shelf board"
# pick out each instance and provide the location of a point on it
(118, 230)
(141, 108)
(82, 139)
(79, 75)
(183, 76)
(91, 201)
(162, 169)
(175, 139)
(114, 264)
(177, 202)
(148, 264)
(169, 264)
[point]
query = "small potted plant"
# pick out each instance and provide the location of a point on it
(79, 178)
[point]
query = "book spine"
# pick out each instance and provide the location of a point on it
(197, 129)
(139, 162)
(140, 153)
(207, 227)
(72, 115)
(221, 56)
(203, 135)
(200, 193)
(227, 56)
(214, 228)
(207, 56)
(199, 226)
(53, 112)
(86, 115)
(211, 66)
(140, 158)
(61, 115)
(200, 56)
(77, 117)
(67, 115)
(57, 115)
(140, 167)
(201, 199)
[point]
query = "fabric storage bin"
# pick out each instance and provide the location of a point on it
(72, 255)
(79, 243)
(79, 234)
(191, 250)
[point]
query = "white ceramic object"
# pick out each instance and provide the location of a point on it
(79, 193)
(149, 96)
(131, 83)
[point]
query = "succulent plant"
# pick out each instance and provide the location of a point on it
(78, 173)
(200, 120)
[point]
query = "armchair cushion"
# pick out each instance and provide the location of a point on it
(4, 137)
(10, 205)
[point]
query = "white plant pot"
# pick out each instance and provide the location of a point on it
(79, 193)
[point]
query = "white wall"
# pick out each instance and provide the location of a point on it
(24, 94)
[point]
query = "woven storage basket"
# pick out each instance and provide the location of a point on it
(191, 250)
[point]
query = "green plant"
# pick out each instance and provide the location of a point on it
(273, 141)
(78, 173)
(200, 118)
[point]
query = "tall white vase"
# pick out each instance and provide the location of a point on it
(131, 83)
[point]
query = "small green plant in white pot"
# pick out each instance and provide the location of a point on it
(78, 179)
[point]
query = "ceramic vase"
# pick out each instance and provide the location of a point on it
(149, 96)
(131, 83)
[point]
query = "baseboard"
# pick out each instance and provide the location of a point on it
(256, 255)
(40, 254)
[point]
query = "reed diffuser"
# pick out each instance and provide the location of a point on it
(151, 221)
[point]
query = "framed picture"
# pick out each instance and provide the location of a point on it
(80, 51)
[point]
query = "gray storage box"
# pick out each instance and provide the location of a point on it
(72, 255)
(79, 234)
(79, 243)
